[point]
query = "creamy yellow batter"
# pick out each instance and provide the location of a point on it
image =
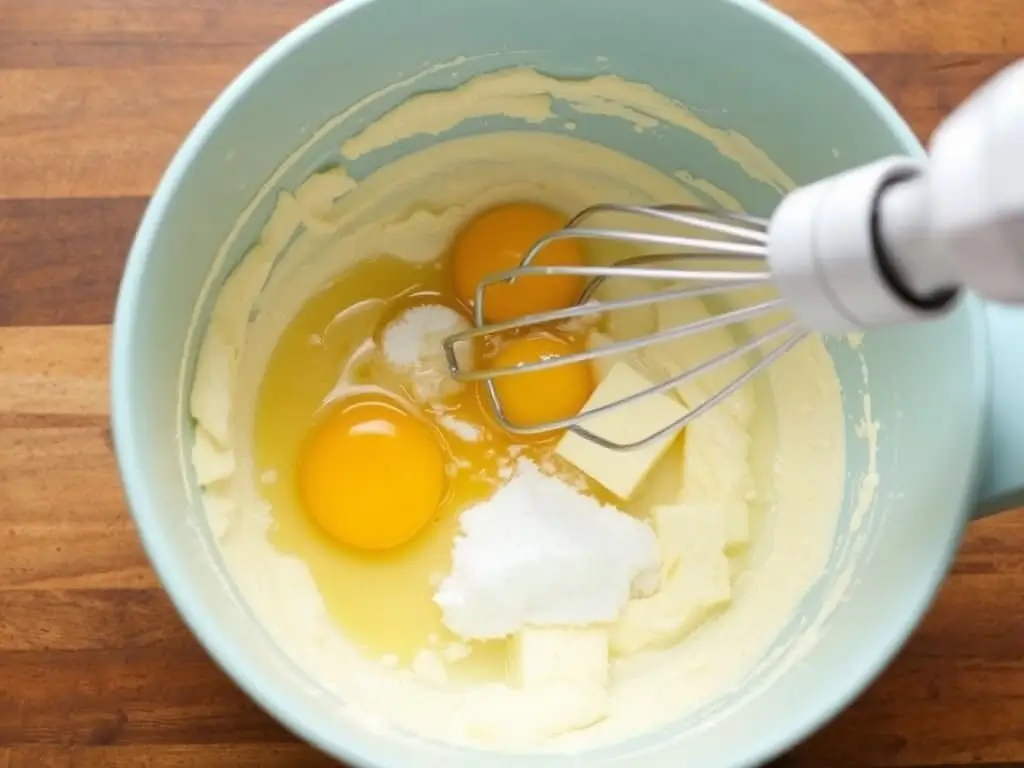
(410, 209)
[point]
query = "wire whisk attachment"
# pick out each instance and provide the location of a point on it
(712, 256)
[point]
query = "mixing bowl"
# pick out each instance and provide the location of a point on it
(951, 442)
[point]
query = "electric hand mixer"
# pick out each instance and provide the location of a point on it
(892, 242)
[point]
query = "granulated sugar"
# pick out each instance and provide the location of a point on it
(413, 346)
(539, 553)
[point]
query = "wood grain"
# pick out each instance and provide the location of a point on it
(61, 259)
(89, 131)
(63, 521)
(913, 26)
(927, 87)
(96, 669)
(177, 756)
(113, 34)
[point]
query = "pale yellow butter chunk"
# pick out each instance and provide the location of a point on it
(544, 655)
(692, 538)
(602, 365)
(634, 322)
(716, 449)
(559, 684)
(622, 471)
(688, 352)
(716, 466)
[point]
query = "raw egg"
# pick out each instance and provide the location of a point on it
(533, 398)
(371, 474)
(497, 240)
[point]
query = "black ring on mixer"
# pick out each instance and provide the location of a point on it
(933, 302)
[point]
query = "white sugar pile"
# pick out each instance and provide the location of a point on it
(539, 553)
(413, 346)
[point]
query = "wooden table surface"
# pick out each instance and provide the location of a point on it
(95, 667)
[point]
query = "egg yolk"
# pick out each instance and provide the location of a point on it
(533, 398)
(371, 474)
(497, 240)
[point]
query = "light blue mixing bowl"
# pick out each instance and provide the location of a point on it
(952, 438)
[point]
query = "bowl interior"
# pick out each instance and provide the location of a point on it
(739, 67)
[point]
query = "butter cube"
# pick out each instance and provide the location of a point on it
(543, 655)
(634, 322)
(716, 447)
(560, 681)
(621, 471)
(716, 466)
(690, 351)
(692, 537)
(602, 365)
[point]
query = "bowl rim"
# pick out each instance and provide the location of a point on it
(145, 509)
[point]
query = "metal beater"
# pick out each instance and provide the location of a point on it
(892, 242)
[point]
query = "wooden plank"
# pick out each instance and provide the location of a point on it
(890, 728)
(977, 619)
(106, 32)
(913, 26)
(54, 372)
(292, 755)
(61, 259)
(59, 620)
(65, 555)
(63, 520)
(54, 474)
(98, 132)
(926, 88)
(112, 33)
(993, 546)
(155, 695)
